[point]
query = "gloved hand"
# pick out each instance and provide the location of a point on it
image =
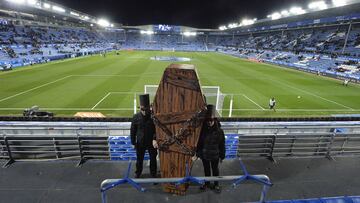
(194, 158)
(155, 144)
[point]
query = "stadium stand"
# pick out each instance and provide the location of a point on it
(325, 43)
(330, 49)
(25, 45)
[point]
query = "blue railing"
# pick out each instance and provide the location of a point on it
(264, 180)
(342, 199)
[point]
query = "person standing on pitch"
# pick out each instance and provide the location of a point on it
(272, 104)
(211, 147)
(143, 137)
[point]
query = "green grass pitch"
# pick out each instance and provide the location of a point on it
(108, 85)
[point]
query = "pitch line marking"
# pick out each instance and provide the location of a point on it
(334, 102)
(101, 101)
(298, 110)
(253, 102)
(150, 75)
(125, 109)
(72, 109)
(35, 88)
(315, 95)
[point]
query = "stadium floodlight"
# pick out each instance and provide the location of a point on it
(147, 32)
(91, 25)
(31, 2)
(58, 9)
(85, 17)
(223, 27)
(318, 5)
(275, 16)
(111, 25)
(338, 3)
(17, 1)
(46, 5)
(188, 34)
(74, 13)
(103, 23)
(233, 25)
(285, 13)
(297, 11)
(246, 22)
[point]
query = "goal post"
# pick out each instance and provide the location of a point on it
(168, 49)
(212, 94)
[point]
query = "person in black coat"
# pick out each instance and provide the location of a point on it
(143, 137)
(211, 147)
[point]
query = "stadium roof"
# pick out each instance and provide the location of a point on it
(320, 10)
(315, 9)
(51, 9)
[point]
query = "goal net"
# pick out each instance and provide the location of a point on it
(212, 94)
(168, 49)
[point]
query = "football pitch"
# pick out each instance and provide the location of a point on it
(110, 84)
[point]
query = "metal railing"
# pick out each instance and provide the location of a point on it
(46, 148)
(25, 142)
(263, 180)
(299, 145)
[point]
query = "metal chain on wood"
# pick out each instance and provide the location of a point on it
(181, 134)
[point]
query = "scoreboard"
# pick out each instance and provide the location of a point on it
(166, 28)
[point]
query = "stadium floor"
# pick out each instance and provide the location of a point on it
(63, 182)
(109, 84)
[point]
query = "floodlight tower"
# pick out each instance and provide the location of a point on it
(339, 3)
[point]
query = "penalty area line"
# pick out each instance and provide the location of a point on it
(252, 101)
(71, 109)
(35, 88)
(100, 101)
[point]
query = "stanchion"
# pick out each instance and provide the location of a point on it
(266, 183)
(189, 179)
(261, 179)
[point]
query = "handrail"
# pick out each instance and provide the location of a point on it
(264, 180)
(249, 140)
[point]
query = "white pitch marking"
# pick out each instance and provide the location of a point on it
(126, 109)
(315, 95)
(253, 102)
(150, 74)
(334, 102)
(71, 109)
(295, 110)
(35, 88)
(100, 101)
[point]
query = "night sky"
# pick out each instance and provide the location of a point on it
(194, 13)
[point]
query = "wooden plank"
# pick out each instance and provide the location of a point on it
(173, 118)
(177, 100)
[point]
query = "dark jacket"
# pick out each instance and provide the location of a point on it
(142, 131)
(211, 145)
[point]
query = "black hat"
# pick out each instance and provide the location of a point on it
(144, 100)
(211, 111)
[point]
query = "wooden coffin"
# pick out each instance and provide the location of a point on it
(178, 109)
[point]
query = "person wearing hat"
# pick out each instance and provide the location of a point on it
(211, 147)
(143, 137)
